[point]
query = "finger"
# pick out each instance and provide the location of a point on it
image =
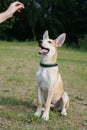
(19, 8)
(19, 4)
(18, 11)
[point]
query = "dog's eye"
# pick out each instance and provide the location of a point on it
(49, 41)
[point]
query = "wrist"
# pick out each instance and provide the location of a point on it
(8, 14)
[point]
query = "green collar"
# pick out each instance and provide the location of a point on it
(48, 65)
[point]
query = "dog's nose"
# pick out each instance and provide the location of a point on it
(40, 41)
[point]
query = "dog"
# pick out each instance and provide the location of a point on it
(49, 82)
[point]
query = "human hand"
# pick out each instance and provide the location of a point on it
(14, 7)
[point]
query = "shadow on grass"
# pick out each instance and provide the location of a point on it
(28, 117)
(15, 102)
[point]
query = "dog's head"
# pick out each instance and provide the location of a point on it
(49, 46)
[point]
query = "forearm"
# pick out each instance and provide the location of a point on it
(5, 15)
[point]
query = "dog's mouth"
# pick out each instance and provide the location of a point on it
(43, 50)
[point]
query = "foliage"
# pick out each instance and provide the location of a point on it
(83, 43)
(56, 16)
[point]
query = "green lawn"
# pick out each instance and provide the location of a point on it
(18, 66)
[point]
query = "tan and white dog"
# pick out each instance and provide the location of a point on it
(49, 81)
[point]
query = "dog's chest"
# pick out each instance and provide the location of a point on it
(44, 78)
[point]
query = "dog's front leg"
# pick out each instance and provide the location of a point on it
(45, 115)
(40, 101)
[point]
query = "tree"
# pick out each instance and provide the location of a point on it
(33, 15)
(57, 16)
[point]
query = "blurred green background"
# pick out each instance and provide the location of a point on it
(56, 16)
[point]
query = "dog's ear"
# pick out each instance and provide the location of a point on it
(45, 35)
(60, 39)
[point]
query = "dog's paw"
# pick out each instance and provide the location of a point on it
(37, 114)
(63, 112)
(45, 117)
(43, 109)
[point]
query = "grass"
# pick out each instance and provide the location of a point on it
(18, 66)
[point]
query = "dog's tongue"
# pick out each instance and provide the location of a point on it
(43, 51)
